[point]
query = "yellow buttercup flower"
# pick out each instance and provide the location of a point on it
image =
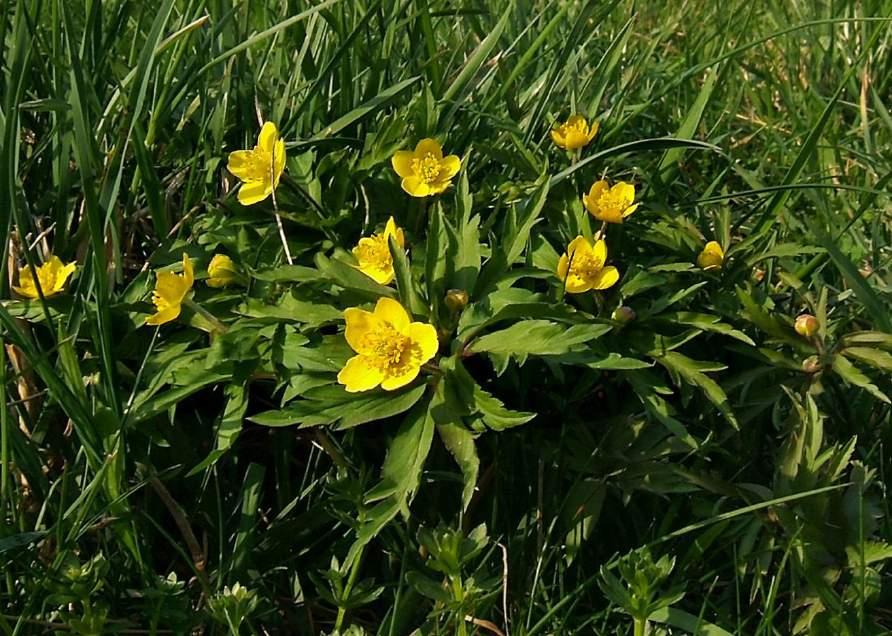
(51, 276)
(574, 133)
(425, 171)
(711, 257)
(259, 169)
(582, 267)
(610, 204)
(373, 253)
(390, 347)
(221, 271)
(170, 292)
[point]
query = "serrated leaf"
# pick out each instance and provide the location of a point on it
(537, 338)
(848, 372)
(692, 372)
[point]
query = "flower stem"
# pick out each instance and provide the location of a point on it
(218, 326)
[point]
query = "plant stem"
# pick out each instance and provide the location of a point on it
(218, 326)
(354, 572)
(640, 626)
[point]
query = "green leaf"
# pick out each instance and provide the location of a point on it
(404, 283)
(706, 322)
(351, 278)
(848, 372)
(332, 405)
(692, 372)
(400, 476)
(872, 302)
(882, 360)
(477, 58)
(537, 338)
(688, 622)
(459, 441)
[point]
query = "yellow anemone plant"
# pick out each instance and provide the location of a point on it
(610, 204)
(51, 276)
(575, 133)
(711, 257)
(260, 168)
(170, 292)
(425, 171)
(390, 347)
(583, 266)
(373, 253)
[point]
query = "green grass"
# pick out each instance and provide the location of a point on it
(701, 469)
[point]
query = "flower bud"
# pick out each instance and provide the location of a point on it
(711, 257)
(811, 365)
(807, 325)
(624, 314)
(456, 299)
(221, 271)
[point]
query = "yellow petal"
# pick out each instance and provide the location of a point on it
(449, 167)
(575, 120)
(268, 137)
(394, 382)
(380, 275)
(164, 315)
(605, 278)
(576, 284)
(628, 211)
(711, 257)
(425, 336)
(279, 159)
(593, 130)
(253, 192)
(429, 146)
(188, 272)
(626, 191)
(358, 375)
(402, 162)
(599, 253)
(438, 186)
(416, 187)
(558, 138)
(359, 323)
(389, 310)
(391, 229)
(563, 266)
(64, 274)
(241, 164)
(578, 247)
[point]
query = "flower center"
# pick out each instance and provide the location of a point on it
(584, 265)
(390, 349)
(428, 167)
(376, 253)
(611, 202)
(47, 278)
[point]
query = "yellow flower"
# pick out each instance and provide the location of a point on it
(221, 271)
(51, 276)
(373, 253)
(425, 171)
(582, 268)
(610, 204)
(575, 133)
(806, 325)
(259, 169)
(711, 257)
(170, 291)
(390, 348)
